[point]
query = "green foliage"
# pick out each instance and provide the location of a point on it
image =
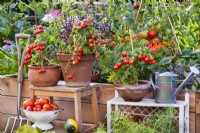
(177, 27)
(8, 62)
(11, 21)
(100, 129)
(164, 122)
(123, 123)
(29, 129)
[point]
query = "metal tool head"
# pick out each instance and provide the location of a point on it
(14, 122)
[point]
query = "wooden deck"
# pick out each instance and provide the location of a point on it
(105, 92)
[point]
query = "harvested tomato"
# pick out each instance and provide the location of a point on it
(47, 106)
(28, 102)
(55, 106)
(43, 101)
(29, 108)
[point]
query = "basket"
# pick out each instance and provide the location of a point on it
(42, 119)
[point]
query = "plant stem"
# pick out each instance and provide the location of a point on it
(138, 12)
(172, 29)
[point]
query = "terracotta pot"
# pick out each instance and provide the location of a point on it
(95, 75)
(81, 72)
(46, 79)
(134, 92)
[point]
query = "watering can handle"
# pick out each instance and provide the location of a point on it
(151, 80)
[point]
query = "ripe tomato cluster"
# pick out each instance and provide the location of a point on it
(39, 29)
(126, 61)
(42, 105)
(146, 59)
(39, 46)
(84, 23)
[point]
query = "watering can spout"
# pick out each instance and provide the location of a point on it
(194, 71)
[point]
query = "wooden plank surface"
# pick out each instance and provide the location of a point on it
(198, 102)
(192, 122)
(197, 123)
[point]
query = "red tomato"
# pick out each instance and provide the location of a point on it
(119, 64)
(55, 106)
(139, 57)
(38, 109)
(126, 61)
(130, 62)
(43, 101)
(151, 34)
(146, 59)
(28, 102)
(34, 109)
(47, 107)
(124, 53)
(116, 67)
(70, 76)
(29, 108)
(38, 106)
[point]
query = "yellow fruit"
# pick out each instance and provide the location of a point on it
(71, 126)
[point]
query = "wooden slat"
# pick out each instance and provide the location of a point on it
(67, 113)
(9, 87)
(192, 123)
(181, 96)
(197, 123)
(198, 102)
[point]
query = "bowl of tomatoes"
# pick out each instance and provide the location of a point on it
(41, 112)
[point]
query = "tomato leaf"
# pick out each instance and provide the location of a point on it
(165, 61)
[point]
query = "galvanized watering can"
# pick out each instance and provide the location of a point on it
(166, 87)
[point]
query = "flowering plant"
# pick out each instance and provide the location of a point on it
(142, 44)
(84, 31)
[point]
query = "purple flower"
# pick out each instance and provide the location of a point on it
(7, 42)
(56, 14)
(53, 15)
(7, 47)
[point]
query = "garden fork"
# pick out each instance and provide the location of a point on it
(21, 58)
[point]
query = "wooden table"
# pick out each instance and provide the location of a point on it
(71, 92)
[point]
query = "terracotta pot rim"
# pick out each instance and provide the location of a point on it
(67, 57)
(46, 67)
(144, 84)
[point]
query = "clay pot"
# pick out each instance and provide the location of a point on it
(95, 75)
(134, 92)
(81, 72)
(49, 78)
